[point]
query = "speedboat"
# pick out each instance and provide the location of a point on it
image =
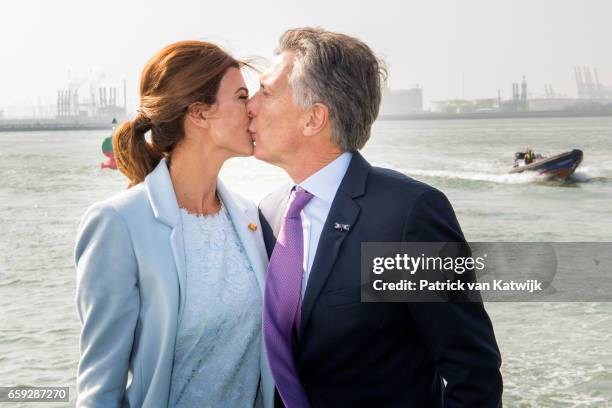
(560, 166)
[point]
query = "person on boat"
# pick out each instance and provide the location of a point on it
(529, 156)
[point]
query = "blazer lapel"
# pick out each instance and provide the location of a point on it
(344, 210)
(166, 210)
(252, 241)
(161, 195)
(178, 252)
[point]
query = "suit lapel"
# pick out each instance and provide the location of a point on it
(344, 210)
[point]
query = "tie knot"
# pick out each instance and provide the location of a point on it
(297, 201)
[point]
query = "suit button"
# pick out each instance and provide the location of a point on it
(304, 385)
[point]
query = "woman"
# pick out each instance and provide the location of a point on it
(170, 273)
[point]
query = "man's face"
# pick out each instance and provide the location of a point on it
(276, 125)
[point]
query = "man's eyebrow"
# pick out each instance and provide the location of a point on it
(263, 85)
(242, 88)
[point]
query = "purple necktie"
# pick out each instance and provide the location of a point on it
(282, 301)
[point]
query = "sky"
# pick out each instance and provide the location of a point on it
(451, 48)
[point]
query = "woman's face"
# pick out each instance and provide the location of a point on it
(228, 118)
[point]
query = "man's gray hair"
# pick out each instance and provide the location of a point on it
(340, 72)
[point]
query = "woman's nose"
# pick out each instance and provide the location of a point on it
(251, 106)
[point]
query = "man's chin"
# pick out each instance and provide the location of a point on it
(260, 154)
(265, 156)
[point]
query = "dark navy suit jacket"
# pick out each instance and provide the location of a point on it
(350, 353)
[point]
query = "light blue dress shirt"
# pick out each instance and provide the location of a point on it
(323, 185)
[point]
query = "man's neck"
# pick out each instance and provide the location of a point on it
(310, 165)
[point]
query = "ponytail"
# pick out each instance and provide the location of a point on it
(135, 156)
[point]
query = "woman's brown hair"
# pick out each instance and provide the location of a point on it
(177, 76)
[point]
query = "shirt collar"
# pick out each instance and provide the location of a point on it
(325, 183)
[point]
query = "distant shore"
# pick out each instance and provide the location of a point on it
(32, 125)
(497, 115)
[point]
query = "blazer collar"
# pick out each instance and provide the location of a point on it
(345, 209)
(355, 178)
(252, 240)
(233, 206)
(166, 210)
(161, 195)
(163, 201)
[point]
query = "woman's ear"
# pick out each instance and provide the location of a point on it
(318, 116)
(196, 114)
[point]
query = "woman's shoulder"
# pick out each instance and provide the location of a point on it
(121, 206)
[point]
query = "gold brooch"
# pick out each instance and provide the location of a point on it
(253, 227)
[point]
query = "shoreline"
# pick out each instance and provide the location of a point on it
(495, 115)
(33, 125)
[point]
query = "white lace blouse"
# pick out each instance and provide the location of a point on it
(216, 359)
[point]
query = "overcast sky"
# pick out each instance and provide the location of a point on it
(433, 43)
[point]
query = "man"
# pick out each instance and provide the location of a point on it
(312, 114)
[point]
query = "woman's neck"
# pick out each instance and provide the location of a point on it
(194, 178)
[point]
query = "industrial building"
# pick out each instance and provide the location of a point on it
(592, 96)
(589, 86)
(401, 101)
(101, 103)
(82, 104)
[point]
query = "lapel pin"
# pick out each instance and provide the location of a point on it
(341, 227)
(253, 227)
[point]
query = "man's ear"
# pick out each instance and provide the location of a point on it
(317, 118)
(196, 114)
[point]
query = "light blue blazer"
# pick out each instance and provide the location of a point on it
(130, 292)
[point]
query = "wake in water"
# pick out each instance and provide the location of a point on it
(588, 174)
(584, 175)
(523, 178)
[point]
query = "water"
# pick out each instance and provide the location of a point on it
(555, 354)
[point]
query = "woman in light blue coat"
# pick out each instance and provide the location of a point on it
(170, 273)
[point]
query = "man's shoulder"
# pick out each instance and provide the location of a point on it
(427, 213)
(388, 181)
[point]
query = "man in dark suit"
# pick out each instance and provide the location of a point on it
(312, 114)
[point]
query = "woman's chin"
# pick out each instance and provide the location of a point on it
(245, 151)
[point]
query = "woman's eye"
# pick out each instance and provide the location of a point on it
(243, 97)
